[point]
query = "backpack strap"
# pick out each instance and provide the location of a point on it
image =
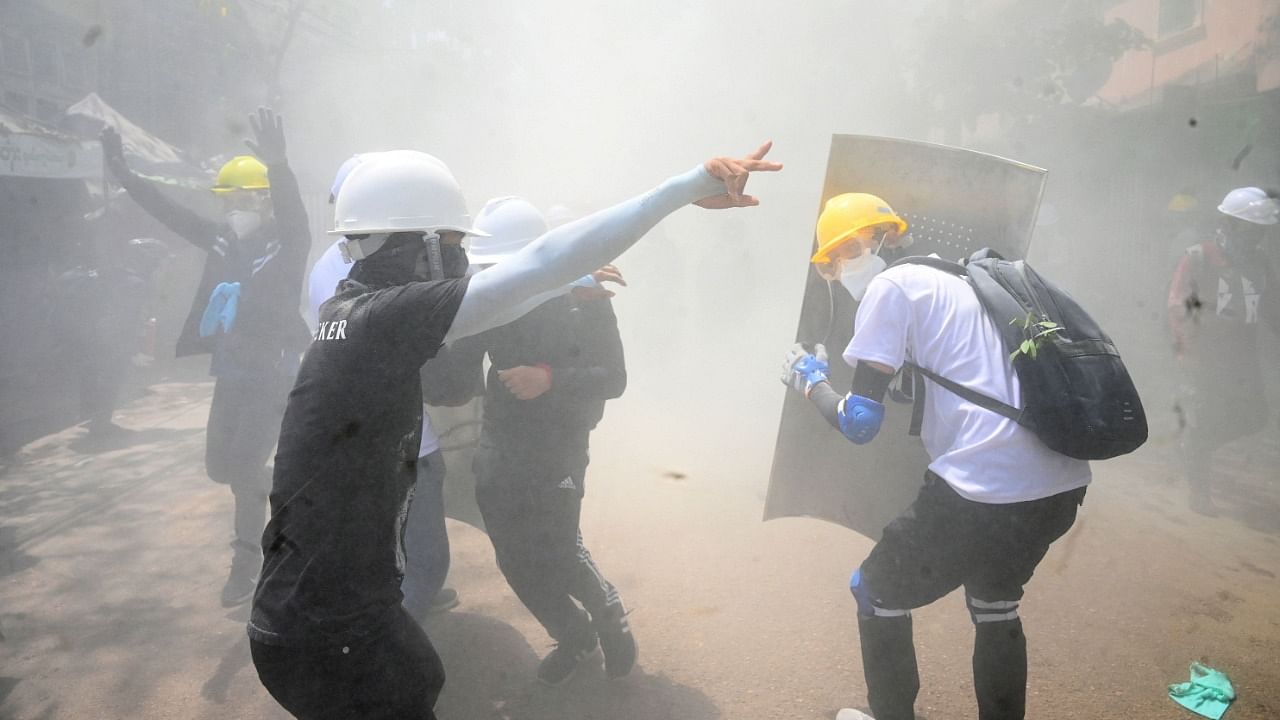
(946, 266)
(917, 410)
(973, 396)
(983, 401)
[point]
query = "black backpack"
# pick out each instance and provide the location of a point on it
(1077, 395)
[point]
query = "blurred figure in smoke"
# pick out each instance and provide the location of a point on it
(426, 538)
(328, 633)
(101, 306)
(245, 313)
(994, 498)
(550, 373)
(1220, 289)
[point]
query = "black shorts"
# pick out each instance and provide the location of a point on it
(944, 541)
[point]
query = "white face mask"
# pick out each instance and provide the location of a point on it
(244, 222)
(856, 274)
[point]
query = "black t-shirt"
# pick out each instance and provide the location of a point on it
(345, 468)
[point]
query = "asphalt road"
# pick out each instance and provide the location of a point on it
(112, 560)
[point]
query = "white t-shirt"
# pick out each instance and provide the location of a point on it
(321, 283)
(934, 319)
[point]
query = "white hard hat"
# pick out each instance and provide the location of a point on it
(511, 223)
(400, 191)
(1251, 204)
(343, 171)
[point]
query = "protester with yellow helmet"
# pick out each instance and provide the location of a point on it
(852, 229)
(994, 497)
(245, 313)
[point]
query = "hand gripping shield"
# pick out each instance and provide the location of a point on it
(957, 201)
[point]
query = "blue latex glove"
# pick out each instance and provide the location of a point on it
(802, 369)
(221, 310)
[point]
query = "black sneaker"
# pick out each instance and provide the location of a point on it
(560, 665)
(619, 646)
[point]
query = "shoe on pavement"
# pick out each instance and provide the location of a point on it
(238, 589)
(619, 646)
(851, 714)
(560, 665)
(243, 577)
(445, 600)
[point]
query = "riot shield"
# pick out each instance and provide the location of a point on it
(957, 201)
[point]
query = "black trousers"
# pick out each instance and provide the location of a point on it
(532, 521)
(393, 675)
(940, 543)
(244, 424)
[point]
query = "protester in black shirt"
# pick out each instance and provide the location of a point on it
(328, 634)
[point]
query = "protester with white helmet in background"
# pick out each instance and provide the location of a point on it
(551, 372)
(327, 631)
(1222, 287)
(330, 267)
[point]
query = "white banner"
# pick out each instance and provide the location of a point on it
(38, 156)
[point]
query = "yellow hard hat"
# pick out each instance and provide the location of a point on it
(242, 172)
(844, 215)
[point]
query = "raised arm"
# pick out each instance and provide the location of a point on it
(573, 250)
(292, 228)
(192, 227)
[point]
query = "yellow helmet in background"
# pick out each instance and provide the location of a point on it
(844, 215)
(242, 172)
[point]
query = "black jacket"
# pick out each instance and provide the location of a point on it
(579, 342)
(268, 322)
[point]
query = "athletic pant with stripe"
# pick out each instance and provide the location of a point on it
(532, 520)
(940, 543)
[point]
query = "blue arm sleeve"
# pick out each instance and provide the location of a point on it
(573, 250)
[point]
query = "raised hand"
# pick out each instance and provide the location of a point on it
(608, 273)
(268, 133)
(734, 172)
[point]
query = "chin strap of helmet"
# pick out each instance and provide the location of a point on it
(435, 260)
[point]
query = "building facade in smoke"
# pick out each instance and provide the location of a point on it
(184, 70)
(1221, 48)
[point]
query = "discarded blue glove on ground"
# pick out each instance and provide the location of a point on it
(1209, 693)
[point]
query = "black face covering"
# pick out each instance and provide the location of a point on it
(1241, 236)
(454, 259)
(395, 263)
(392, 264)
